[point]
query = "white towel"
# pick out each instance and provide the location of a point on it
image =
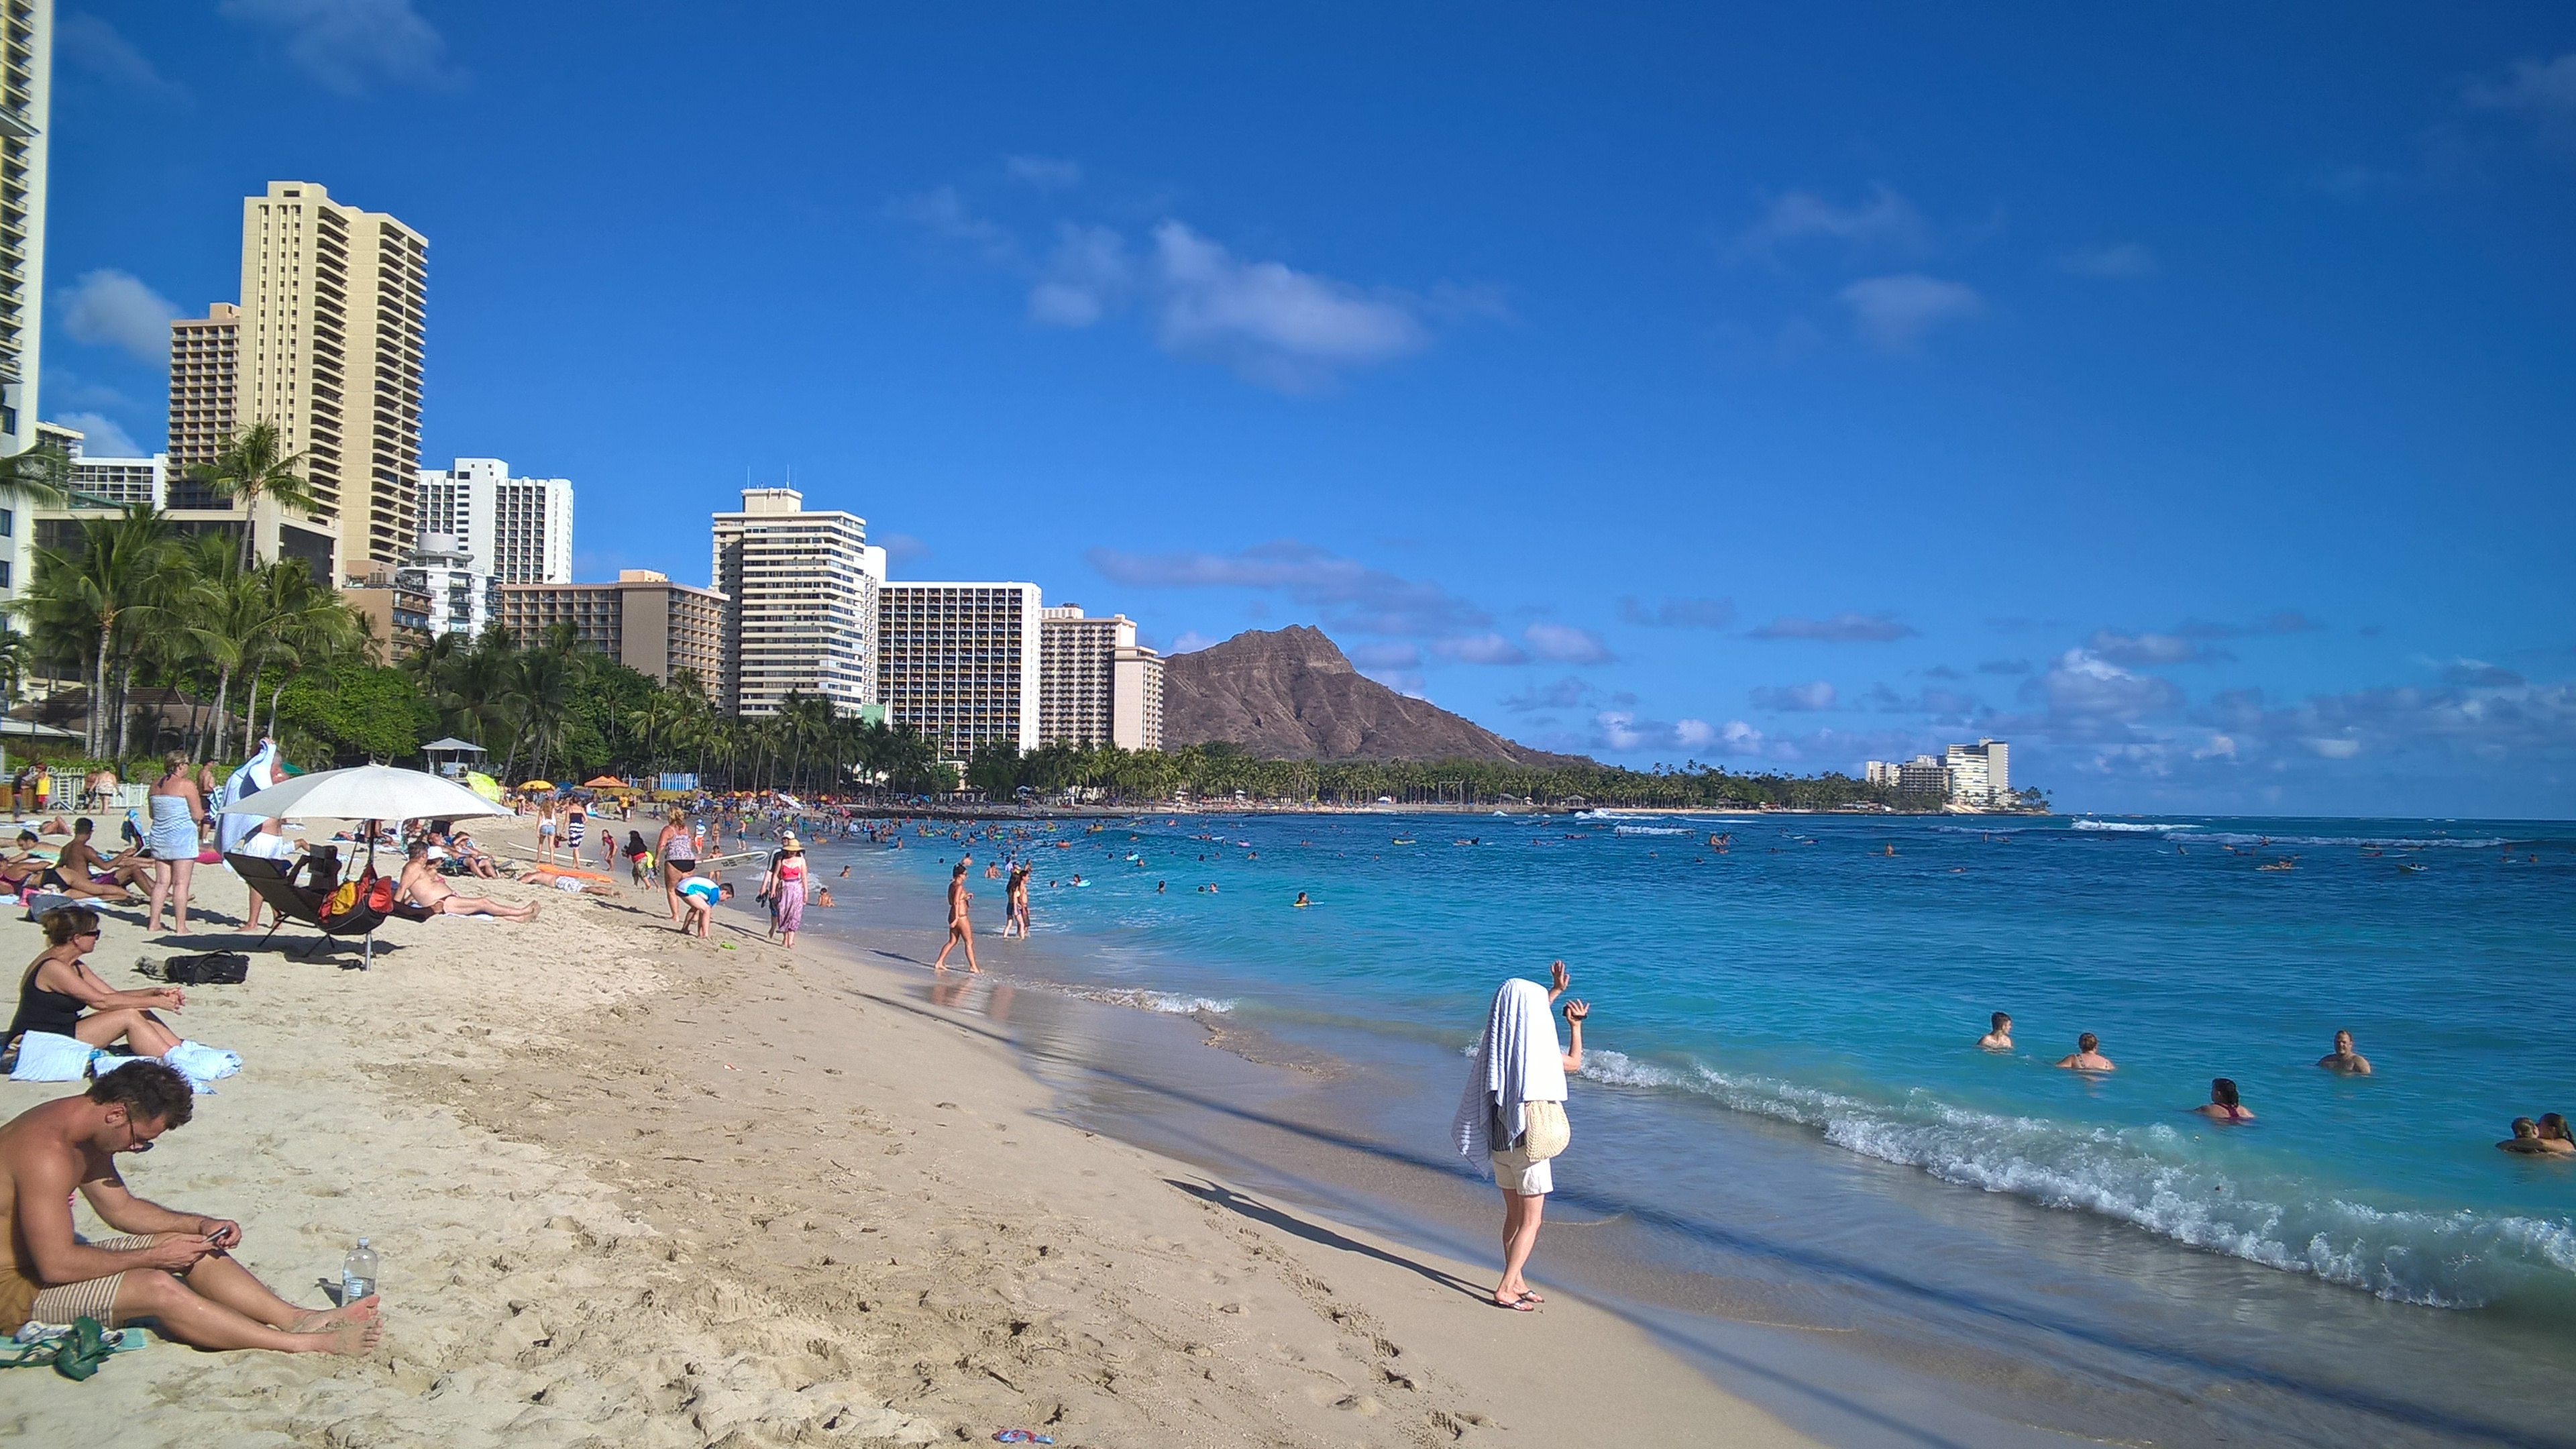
(201, 1063)
(1517, 1061)
(45, 1057)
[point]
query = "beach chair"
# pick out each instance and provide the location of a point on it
(271, 879)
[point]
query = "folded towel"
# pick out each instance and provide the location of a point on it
(45, 1057)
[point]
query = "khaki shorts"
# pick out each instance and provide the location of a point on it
(1514, 1172)
(90, 1298)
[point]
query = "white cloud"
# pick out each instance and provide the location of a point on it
(101, 437)
(2542, 91)
(1893, 313)
(110, 308)
(1391, 655)
(1692, 734)
(1273, 325)
(1847, 627)
(1621, 732)
(1191, 641)
(1680, 613)
(345, 44)
(2118, 261)
(1566, 644)
(944, 214)
(1088, 274)
(1362, 599)
(1885, 221)
(1795, 698)
(1046, 173)
(2333, 749)
(2140, 649)
(1487, 648)
(91, 44)
(2085, 692)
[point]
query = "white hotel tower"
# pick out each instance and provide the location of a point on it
(801, 604)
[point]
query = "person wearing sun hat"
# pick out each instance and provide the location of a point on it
(786, 887)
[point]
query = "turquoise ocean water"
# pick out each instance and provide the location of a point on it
(1805, 979)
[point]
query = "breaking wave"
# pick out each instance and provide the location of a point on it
(2147, 1177)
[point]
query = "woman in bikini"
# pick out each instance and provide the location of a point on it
(61, 995)
(678, 852)
(961, 929)
(2222, 1105)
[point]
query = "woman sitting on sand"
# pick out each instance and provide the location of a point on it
(2223, 1105)
(1513, 1114)
(61, 995)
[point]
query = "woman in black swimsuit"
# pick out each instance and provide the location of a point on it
(59, 985)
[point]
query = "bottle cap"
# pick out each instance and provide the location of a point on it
(362, 1242)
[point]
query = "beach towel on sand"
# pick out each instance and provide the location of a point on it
(45, 1057)
(1517, 1062)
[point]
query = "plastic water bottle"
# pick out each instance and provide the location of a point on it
(358, 1273)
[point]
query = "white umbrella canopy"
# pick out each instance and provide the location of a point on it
(365, 792)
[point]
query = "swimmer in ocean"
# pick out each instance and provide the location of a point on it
(1999, 1039)
(2223, 1105)
(1301, 902)
(2087, 1057)
(2343, 1058)
(2525, 1138)
(2556, 1135)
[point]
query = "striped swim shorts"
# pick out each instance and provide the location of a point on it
(89, 1298)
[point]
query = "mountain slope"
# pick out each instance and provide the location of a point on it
(1289, 694)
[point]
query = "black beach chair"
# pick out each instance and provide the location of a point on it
(272, 880)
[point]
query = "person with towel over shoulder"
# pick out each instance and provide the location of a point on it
(1513, 1113)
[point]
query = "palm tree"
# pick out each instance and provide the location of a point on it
(40, 476)
(109, 584)
(247, 468)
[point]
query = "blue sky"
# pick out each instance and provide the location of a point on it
(2186, 395)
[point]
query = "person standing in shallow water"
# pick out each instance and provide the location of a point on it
(1999, 1039)
(2343, 1058)
(1513, 1113)
(2087, 1056)
(961, 929)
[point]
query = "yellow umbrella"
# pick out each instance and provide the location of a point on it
(483, 785)
(537, 785)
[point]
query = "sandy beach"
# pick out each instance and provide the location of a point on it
(637, 1189)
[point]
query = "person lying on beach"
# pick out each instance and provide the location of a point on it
(1999, 1039)
(471, 859)
(174, 1268)
(423, 886)
(2088, 1056)
(62, 996)
(566, 881)
(2555, 1135)
(2525, 1139)
(2223, 1105)
(22, 866)
(2344, 1059)
(699, 895)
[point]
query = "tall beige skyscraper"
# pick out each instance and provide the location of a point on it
(332, 308)
(26, 115)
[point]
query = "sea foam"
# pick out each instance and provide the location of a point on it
(2149, 1177)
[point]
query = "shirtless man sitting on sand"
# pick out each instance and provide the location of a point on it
(423, 886)
(175, 1269)
(82, 865)
(2087, 1056)
(2344, 1059)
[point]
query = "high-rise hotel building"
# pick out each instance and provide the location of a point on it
(643, 621)
(26, 116)
(327, 344)
(1096, 686)
(959, 662)
(519, 530)
(801, 604)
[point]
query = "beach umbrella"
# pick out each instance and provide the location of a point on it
(605, 782)
(536, 784)
(364, 792)
(485, 786)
